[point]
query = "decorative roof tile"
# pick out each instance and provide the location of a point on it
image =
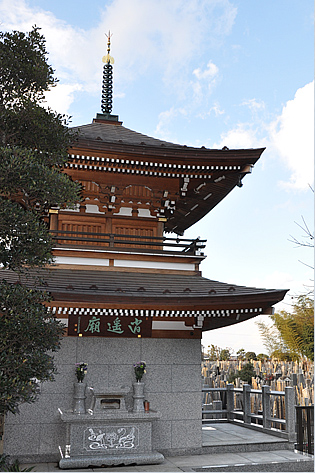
(136, 285)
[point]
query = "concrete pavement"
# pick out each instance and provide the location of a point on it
(227, 447)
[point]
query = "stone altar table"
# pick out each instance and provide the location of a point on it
(109, 435)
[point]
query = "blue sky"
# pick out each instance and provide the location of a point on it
(211, 73)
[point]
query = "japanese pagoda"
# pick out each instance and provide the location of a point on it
(125, 289)
(116, 274)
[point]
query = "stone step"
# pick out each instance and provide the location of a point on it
(248, 447)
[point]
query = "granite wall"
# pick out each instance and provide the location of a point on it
(172, 386)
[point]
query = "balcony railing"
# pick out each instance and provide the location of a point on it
(130, 242)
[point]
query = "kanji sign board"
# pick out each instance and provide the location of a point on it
(109, 326)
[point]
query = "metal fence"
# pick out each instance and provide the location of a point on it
(305, 429)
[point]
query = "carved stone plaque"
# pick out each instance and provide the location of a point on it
(111, 438)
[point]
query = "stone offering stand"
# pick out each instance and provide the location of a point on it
(109, 434)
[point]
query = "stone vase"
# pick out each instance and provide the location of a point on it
(138, 397)
(79, 398)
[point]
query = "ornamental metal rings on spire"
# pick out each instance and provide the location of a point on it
(107, 86)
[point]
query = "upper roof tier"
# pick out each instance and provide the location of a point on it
(118, 134)
(102, 132)
(191, 180)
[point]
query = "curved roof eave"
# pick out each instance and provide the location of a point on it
(107, 287)
(112, 137)
(213, 173)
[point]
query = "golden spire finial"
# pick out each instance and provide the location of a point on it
(108, 59)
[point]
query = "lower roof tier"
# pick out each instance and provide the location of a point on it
(175, 303)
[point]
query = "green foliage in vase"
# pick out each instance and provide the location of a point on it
(80, 371)
(140, 369)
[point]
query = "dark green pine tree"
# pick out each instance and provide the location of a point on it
(33, 150)
(247, 373)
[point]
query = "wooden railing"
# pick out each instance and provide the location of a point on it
(265, 420)
(145, 243)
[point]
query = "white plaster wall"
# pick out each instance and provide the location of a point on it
(154, 264)
(81, 261)
(172, 386)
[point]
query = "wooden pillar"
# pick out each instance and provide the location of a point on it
(160, 229)
(53, 219)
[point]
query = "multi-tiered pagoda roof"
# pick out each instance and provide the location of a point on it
(116, 266)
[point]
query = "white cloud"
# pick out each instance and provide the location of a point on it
(216, 109)
(60, 97)
(165, 37)
(289, 137)
(120, 95)
(208, 74)
(292, 136)
(240, 137)
(254, 105)
(69, 49)
(206, 80)
(165, 118)
(149, 35)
